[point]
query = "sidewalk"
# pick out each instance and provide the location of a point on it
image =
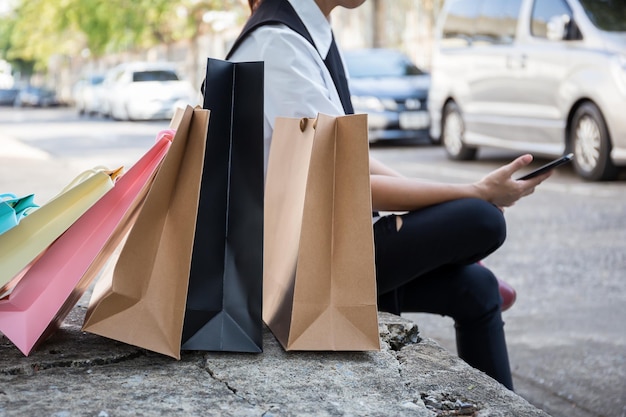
(25, 169)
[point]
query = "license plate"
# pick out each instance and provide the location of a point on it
(414, 120)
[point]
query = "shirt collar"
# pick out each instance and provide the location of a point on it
(316, 23)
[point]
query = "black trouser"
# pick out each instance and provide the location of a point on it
(426, 262)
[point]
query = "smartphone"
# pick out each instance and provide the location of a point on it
(547, 167)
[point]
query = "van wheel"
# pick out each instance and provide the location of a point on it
(452, 135)
(591, 143)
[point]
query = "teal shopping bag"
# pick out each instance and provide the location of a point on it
(14, 208)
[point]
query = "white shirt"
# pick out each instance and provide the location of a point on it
(297, 82)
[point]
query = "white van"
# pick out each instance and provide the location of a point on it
(540, 76)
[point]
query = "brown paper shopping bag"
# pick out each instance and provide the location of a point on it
(142, 300)
(319, 290)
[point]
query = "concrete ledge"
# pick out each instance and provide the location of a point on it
(80, 374)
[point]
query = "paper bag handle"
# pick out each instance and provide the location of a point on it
(304, 121)
(7, 196)
(89, 173)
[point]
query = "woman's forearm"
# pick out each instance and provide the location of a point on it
(378, 168)
(391, 193)
(397, 193)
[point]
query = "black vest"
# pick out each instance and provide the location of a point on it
(281, 12)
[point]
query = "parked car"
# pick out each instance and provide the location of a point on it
(87, 94)
(387, 86)
(31, 96)
(540, 76)
(144, 91)
(8, 96)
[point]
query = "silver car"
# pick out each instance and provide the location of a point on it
(145, 91)
(540, 76)
(87, 94)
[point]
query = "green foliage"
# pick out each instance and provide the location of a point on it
(39, 29)
(34, 31)
(6, 28)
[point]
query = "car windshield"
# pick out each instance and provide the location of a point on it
(609, 15)
(380, 65)
(155, 75)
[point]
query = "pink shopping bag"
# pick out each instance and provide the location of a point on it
(53, 284)
(22, 244)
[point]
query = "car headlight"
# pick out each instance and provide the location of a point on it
(371, 103)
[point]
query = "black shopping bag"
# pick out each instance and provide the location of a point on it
(224, 299)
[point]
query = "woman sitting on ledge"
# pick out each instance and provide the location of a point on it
(427, 260)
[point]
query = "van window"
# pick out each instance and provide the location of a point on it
(458, 29)
(609, 15)
(543, 11)
(497, 21)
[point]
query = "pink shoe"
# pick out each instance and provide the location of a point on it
(508, 294)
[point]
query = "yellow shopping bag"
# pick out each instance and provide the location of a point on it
(20, 245)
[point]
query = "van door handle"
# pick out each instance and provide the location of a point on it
(516, 61)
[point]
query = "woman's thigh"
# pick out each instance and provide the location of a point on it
(466, 293)
(455, 233)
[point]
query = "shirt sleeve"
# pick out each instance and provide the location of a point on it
(297, 82)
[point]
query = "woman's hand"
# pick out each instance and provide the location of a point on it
(501, 189)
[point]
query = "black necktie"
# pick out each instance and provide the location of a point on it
(335, 67)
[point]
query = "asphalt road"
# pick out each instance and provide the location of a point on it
(564, 253)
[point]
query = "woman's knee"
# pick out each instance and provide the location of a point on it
(486, 220)
(479, 296)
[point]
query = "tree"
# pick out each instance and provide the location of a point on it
(39, 28)
(7, 27)
(35, 33)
